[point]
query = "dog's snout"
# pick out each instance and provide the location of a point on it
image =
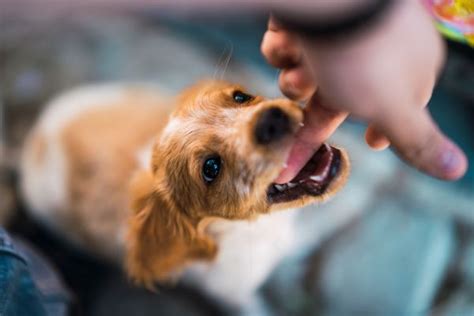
(272, 125)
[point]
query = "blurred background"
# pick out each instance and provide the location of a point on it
(393, 242)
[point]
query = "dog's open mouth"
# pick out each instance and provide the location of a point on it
(312, 180)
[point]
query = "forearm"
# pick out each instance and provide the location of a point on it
(304, 8)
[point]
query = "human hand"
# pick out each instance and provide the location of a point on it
(384, 76)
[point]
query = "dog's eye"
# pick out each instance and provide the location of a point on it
(211, 168)
(241, 97)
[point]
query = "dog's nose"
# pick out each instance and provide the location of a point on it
(272, 125)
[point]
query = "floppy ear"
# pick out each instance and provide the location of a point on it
(161, 240)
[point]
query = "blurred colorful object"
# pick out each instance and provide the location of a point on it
(454, 18)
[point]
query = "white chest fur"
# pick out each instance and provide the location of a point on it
(248, 252)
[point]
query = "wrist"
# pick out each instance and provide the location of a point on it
(405, 25)
(338, 21)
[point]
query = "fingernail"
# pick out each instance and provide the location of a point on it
(450, 160)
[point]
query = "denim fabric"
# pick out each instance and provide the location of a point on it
(28, 284)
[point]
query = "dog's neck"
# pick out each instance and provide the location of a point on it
(248, 253)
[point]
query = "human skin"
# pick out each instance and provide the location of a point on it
(383, 75)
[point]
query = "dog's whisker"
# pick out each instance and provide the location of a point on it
(218, 64)
(227, 60)
(223, 61)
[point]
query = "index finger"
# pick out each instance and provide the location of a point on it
(273, 24)
(319, 123)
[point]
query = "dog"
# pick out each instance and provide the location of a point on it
(175, 188)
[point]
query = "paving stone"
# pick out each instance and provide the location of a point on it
(120, 298)
(467, 264)
(445, 199)
(389, 263)
(460, 304)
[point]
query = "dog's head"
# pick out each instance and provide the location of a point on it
(218, 157)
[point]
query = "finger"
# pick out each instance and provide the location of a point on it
(418, 141)
(297, 83)
(375, 139)
(319, 124)
(281, 49)
(274, 24)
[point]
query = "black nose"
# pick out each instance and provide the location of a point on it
(272, 125)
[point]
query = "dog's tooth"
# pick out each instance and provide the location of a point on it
(272, 190)
(284, 165)
(301, 124)
(316, 178)
(280, 187)
(291, 185)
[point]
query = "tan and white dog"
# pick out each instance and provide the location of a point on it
(175, 187)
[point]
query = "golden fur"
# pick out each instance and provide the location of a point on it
(165, 209)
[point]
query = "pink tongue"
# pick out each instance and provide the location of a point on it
(317, 168)
(298, 157)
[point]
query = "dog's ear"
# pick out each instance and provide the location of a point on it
(161, 240)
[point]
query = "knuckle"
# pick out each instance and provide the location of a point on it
(279, 50)
(287, 87)
(420, 152)
(296, 84)
(266, 46)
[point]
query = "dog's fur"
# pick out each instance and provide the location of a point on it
(116, 169)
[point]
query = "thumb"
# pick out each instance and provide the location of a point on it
(418, 141)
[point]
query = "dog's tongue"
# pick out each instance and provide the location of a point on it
(313, 179)
(317, 168)
(298, 158)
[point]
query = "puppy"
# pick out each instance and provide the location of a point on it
(175, 187)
